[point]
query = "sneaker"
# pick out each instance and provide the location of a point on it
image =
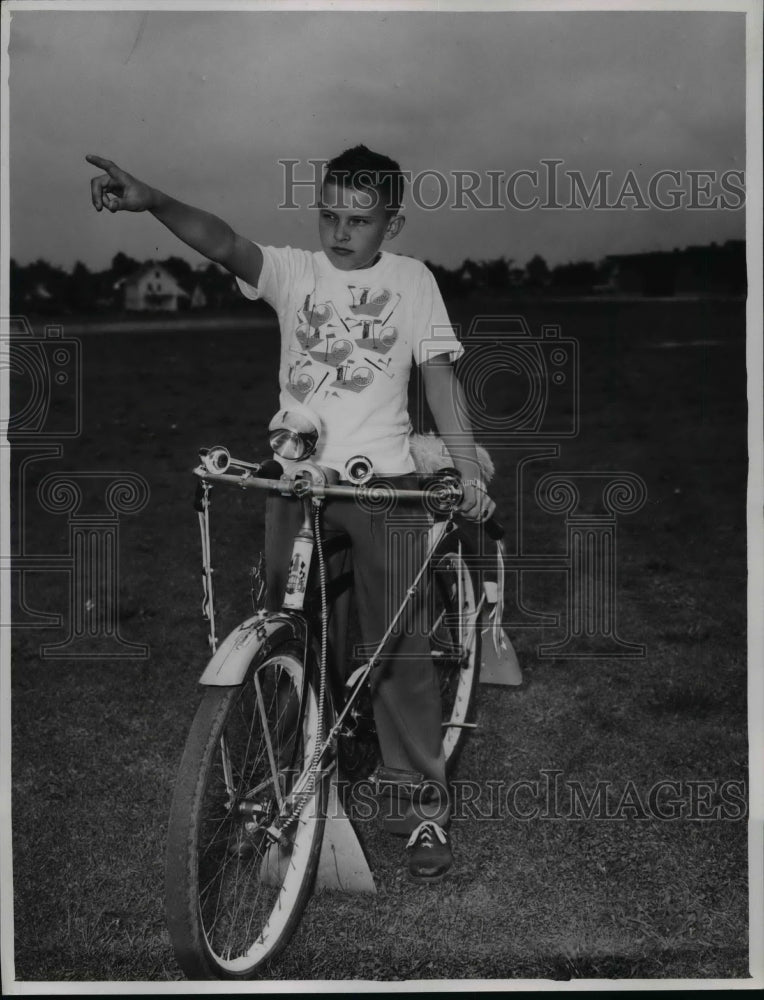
(429, 853)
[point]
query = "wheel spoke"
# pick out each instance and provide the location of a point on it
(246, 779)
(227, 773)
(460, 600)
(268, 744)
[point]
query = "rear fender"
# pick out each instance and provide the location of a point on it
(251, 638)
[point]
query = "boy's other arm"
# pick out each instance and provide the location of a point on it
(119, 191)
(445, 398)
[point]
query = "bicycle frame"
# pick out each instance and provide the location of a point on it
(229, 664)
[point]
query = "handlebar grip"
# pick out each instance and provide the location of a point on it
(494, 528)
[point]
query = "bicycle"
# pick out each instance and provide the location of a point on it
(250, 801)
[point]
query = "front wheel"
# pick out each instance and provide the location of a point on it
(234, 895)
(455, 640)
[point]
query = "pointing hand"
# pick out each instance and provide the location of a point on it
(117, 190)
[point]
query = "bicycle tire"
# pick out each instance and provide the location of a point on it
(234, 897)
(455, 640)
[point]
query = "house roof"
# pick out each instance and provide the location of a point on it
(136, 276)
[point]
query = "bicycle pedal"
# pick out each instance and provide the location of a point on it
(354, 677)
(278, 836)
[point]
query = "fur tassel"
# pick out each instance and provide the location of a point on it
(430, 454)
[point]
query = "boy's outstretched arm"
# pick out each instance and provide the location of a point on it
(119, 191)
(445, 398)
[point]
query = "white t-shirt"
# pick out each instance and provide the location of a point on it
(347, 342)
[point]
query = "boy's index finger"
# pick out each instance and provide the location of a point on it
(103, 164)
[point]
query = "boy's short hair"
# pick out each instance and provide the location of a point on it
(362, 169)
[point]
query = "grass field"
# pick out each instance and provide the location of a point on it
(96, 744)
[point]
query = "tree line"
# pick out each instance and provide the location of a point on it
(43, 287)
(502, 274)
(716, 269)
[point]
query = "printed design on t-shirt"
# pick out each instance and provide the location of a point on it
(368, 301)
(312, 317)
(374, 337)
(373, 309)
(354, 379)
(333, 351)
(352, 348)
(300, 383)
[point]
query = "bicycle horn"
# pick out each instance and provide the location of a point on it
(359, 469)
(215, 460)
(293, 433)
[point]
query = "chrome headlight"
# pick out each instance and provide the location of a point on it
(294, 433)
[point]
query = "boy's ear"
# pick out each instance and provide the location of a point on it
(394, 226)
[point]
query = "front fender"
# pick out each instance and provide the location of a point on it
(229, 664)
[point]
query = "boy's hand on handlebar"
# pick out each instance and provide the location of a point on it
(117, 190)
(476, 505)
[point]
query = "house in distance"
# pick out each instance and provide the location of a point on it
(153, 288)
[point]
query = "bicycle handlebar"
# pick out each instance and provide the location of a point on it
(444, 495)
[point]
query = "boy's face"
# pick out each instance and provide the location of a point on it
(352, 225)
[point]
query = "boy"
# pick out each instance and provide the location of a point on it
(352, 317)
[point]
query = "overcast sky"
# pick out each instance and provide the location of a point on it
(204, 106)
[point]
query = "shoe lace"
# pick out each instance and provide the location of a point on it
(426, 833)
